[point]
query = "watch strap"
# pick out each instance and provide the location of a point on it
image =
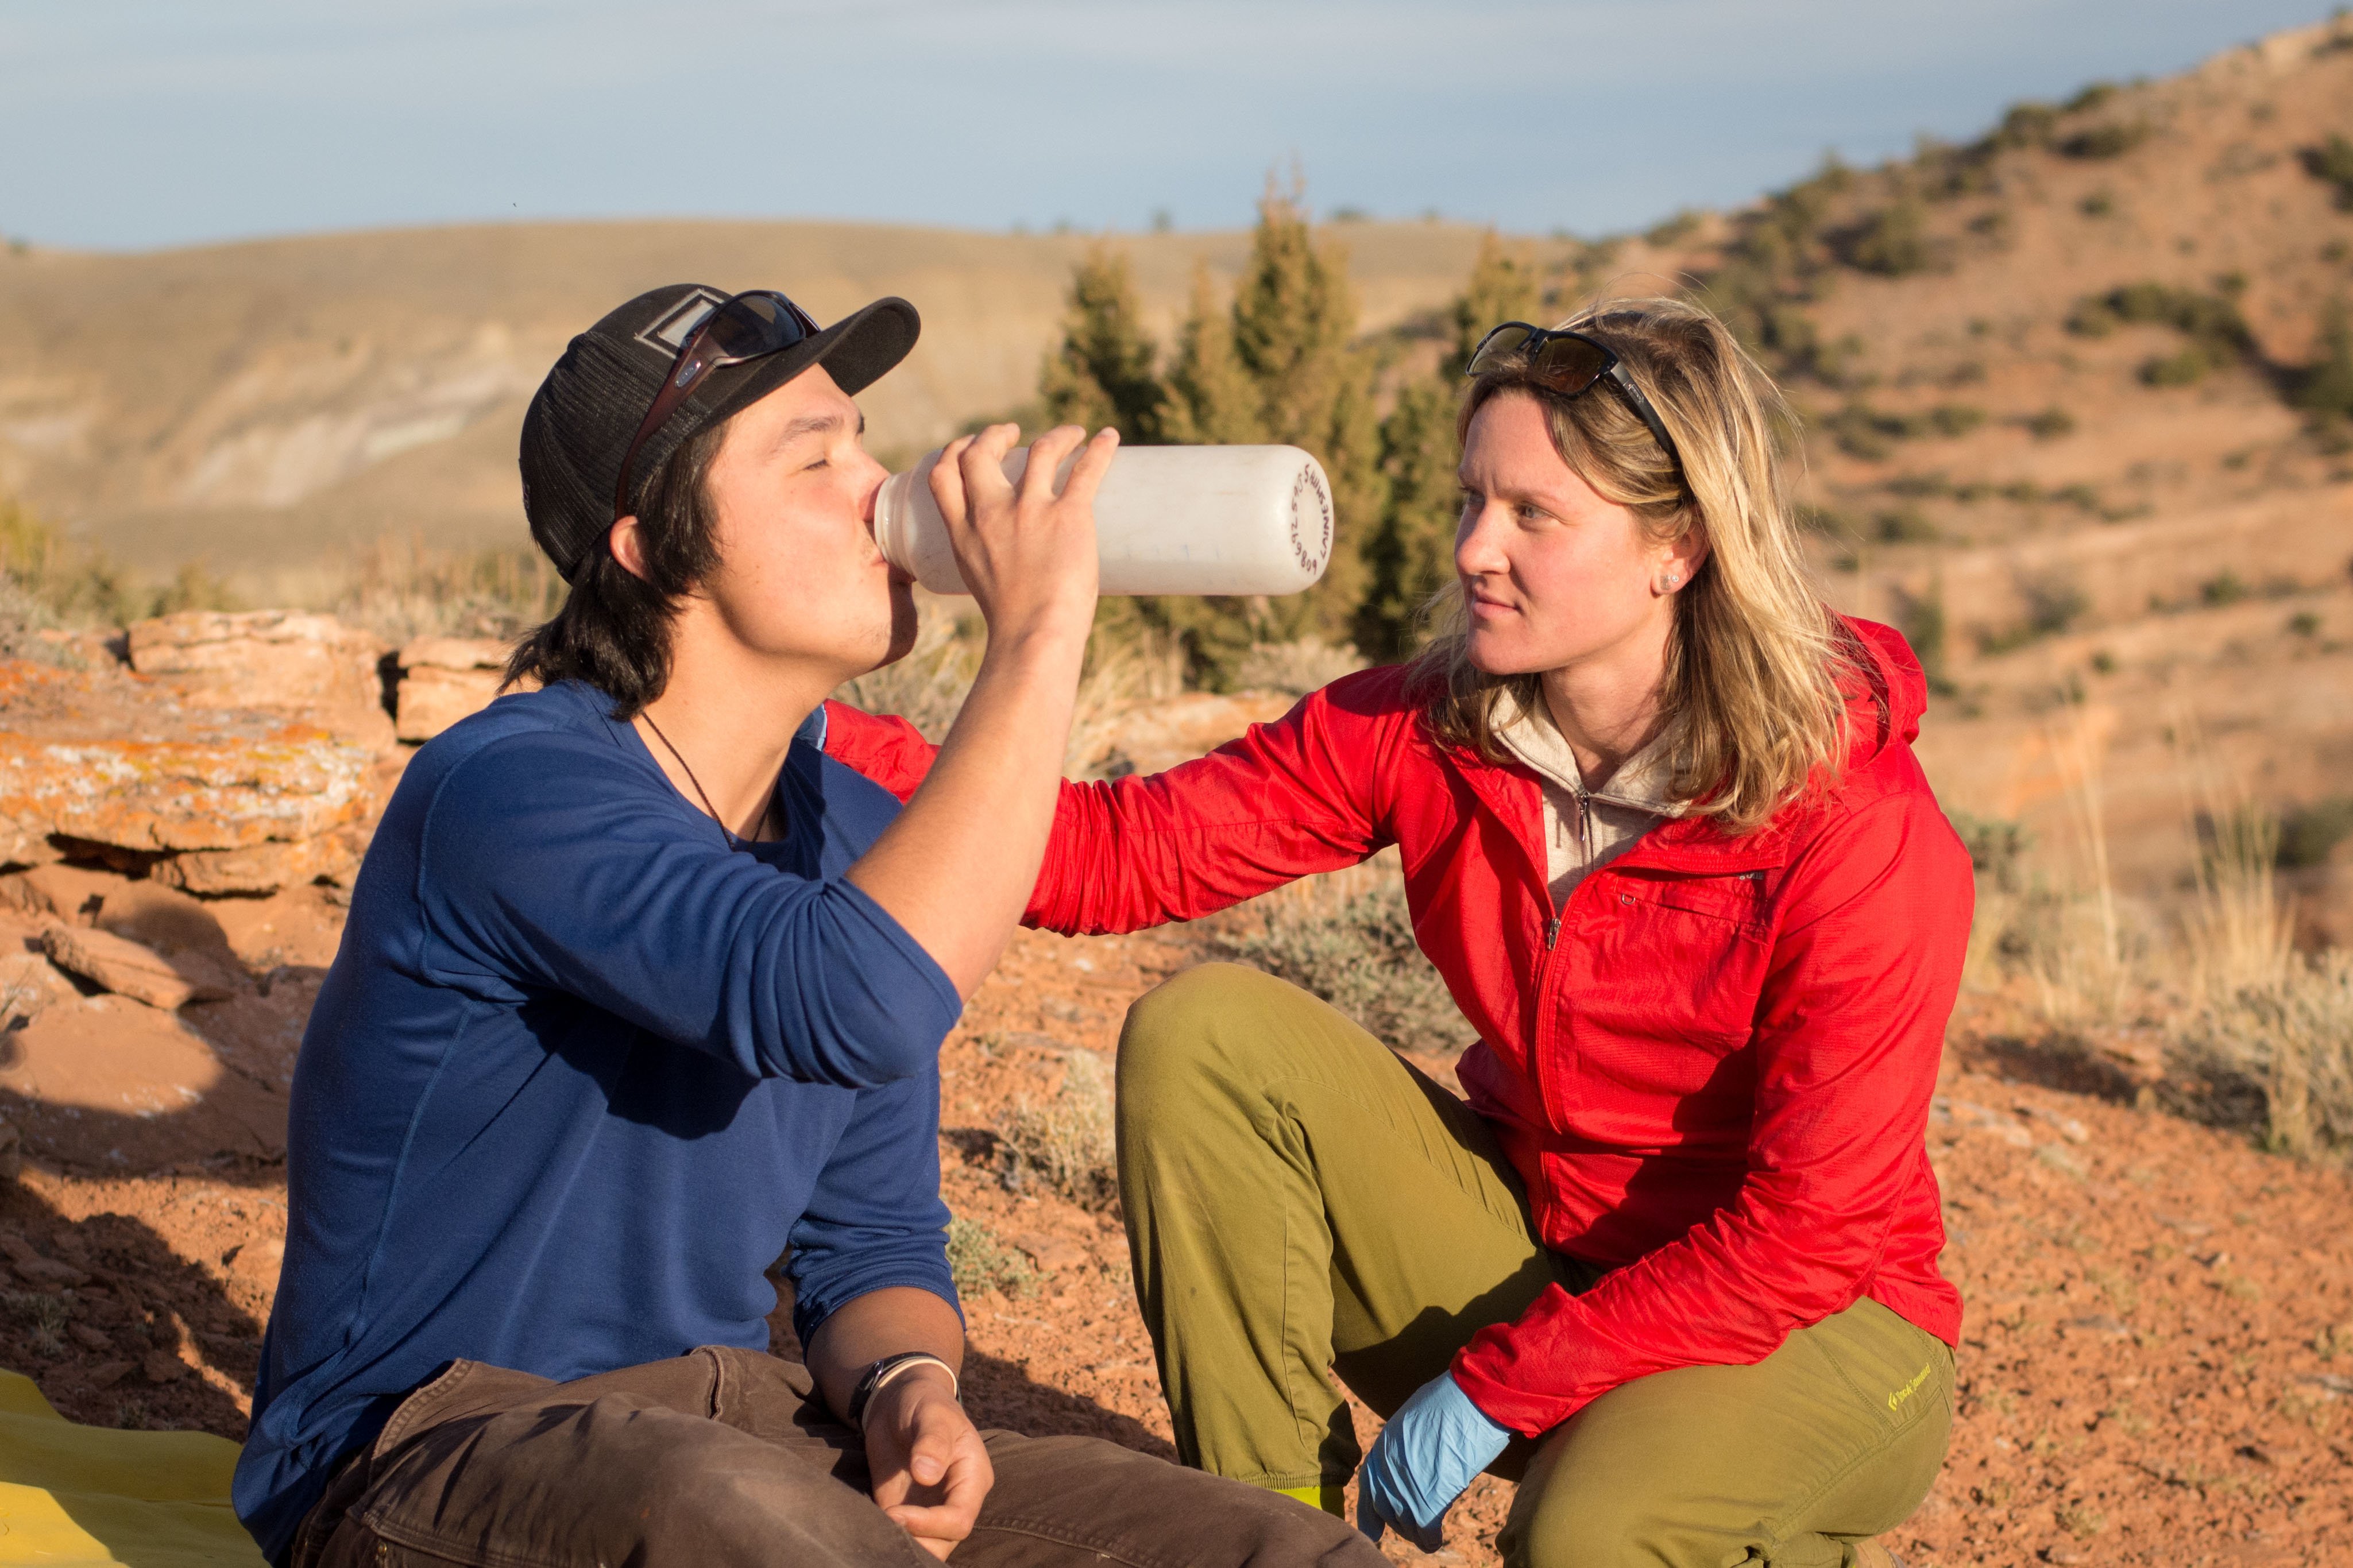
(882, 1372)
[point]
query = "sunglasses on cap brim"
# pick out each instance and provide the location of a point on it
(1568, 363)
(758, 323)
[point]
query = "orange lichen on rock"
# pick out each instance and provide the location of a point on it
(158, 796)
(104, 757)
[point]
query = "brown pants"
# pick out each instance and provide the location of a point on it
(729, 1457)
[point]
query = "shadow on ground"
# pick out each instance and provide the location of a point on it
(140, 1338)
(1001, 1394)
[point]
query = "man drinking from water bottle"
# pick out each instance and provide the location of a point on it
(641, 991)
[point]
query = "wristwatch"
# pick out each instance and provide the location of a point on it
(871, 1380)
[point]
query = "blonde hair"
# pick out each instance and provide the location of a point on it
(1757, 666)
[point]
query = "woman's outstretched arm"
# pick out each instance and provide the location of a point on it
(1307, 793)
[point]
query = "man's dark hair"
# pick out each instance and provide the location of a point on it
(613, 632)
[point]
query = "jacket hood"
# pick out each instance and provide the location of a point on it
(1891, 692)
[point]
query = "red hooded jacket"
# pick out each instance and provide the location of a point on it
(1712, 1068)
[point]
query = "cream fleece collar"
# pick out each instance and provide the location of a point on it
(1639, 784)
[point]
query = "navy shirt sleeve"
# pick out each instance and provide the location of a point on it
(547, 862)
(874, 1217)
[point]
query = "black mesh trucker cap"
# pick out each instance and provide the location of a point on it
(583, 416)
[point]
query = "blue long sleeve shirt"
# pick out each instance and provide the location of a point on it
(580, 1075)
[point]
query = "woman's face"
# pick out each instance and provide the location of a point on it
(1554, 574)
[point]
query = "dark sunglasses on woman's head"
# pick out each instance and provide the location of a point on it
(752, 324)
(1568, 363)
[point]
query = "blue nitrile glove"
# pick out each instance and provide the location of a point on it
(1422, 1461)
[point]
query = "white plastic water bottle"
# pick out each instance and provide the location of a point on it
(1168, 519)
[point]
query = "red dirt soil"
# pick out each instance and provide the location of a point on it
(2157, 1366)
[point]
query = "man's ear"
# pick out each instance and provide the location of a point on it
(627, 549)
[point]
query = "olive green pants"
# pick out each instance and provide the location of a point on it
(1300, 1199)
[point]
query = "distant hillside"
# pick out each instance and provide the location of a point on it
(2068, 395)
(265, 405)
(2079, 423)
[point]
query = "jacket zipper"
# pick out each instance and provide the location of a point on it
(1540, 1053)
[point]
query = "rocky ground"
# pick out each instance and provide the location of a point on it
(2156, 1366)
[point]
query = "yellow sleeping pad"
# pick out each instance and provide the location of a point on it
(87, 1496)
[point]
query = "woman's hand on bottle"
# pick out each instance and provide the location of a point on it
(1027, 553)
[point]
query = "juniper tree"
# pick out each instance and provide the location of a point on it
(1105, 370)
(1503, 287)
(1294, 316)
(1277, 365)
(1206, 398)
(1212, 398)
(2325, 390)
(1410, 556)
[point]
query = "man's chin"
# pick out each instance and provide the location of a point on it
(904, 624)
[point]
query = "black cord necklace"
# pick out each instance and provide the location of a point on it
(726, 832)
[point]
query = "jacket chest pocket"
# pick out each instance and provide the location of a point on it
(1680, 961)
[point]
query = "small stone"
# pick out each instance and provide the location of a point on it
(2056, 1156)
(107, 1374)
(1052, 1253)
(90, 1338)
(260, 868)
(28, 983)
(163, 1366)
(130, 969)
(49, 1271)
(258, 1262)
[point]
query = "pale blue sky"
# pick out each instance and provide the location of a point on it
(134, 123)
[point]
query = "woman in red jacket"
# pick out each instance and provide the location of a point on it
(1674, 1264)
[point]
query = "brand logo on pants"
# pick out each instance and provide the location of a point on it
(1896, 1400)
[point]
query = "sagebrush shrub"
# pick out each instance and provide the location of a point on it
(1360, 956)
(1068, 1141)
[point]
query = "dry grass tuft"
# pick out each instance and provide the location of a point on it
(1123, 675)
(1069, 1141)
(2256, 1036)
(44, 1318)
(399, 589)
(927, 687)
(1348, 938)
(2277, 1056)
(981, 1263)
(51, 582)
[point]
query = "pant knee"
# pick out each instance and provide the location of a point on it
(1557, 1522)
(1605, 1539)
(1185, 1025)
